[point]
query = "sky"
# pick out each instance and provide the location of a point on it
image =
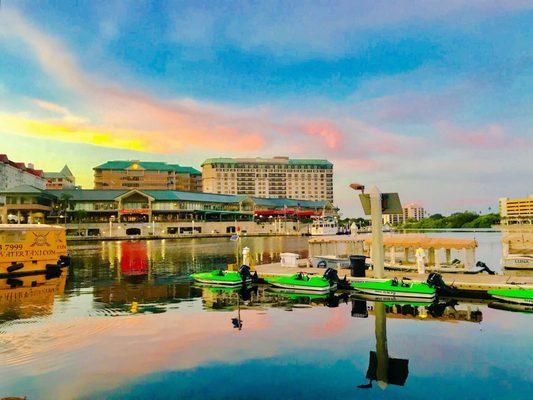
(430, 99)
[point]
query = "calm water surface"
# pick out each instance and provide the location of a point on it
(126, 323)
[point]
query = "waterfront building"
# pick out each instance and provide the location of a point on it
(63, 179)
(278, 177)
(173, 212)
(124, 175)
(516, 211)
(411, 211)
(17, 173)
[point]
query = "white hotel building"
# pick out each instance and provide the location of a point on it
(278, 177)
(17, 173)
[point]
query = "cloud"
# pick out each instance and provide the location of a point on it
(490, 137)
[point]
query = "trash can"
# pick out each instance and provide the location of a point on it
(357, 266)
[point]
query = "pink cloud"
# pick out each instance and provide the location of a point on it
(325, 129)
(489, 137)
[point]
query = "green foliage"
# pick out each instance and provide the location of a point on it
(360, 222)
(465, 219)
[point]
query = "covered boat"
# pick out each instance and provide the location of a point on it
(304, 283)
(394, 289)
(518, 295)
(218, 277)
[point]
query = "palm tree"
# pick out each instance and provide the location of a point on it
(64, 204)
(79, 215)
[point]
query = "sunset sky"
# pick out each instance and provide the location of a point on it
(431, 99)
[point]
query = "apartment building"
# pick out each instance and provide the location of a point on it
(147, 175)
(18, 173)
(278, 177)
(411, 211)
(63, 179)
(516, 211)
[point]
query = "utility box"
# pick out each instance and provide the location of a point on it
(289, 259)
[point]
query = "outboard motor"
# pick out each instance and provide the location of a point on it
(435, 281)
(244, 272)
(331, 275)
(484, 268)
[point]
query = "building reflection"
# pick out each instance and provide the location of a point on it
(29, 296)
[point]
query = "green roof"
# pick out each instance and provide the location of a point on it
(24, 189)
(89, 194)
(266, 161)
(175, 195)
(147, 165)
(64, 173)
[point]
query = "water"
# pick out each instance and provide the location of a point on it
(126, 324)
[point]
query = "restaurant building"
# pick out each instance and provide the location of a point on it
(158, 212)
(278, 177)
(132, 174)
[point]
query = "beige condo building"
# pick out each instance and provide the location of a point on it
(133, 174)
(516, 211)
(278, 177)
(411, 211)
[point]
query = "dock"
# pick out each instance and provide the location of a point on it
(476, 283)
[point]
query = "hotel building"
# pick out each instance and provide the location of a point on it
(17, 173)
(516, 211)
(118, 175)
(63, 179)
(411, 211)
(278, 177)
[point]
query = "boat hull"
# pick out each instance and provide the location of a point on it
(391, 294)
(516, 300)
(303, 289)
(518, 263)
(213, 282)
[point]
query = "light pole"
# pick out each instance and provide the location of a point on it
(376, 204)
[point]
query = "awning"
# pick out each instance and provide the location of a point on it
(307, 213)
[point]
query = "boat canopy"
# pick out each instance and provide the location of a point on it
(425, 242)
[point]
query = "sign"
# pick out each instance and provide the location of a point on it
(134, 211)
(32, 244)
(390, 203)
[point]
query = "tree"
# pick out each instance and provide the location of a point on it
(79, 215)
(65, 204)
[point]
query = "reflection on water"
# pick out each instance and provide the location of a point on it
(126, 323)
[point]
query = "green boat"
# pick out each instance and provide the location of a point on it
(306, 284)
(393, 289)
(519, 295)
(395, 301)
(218, 277)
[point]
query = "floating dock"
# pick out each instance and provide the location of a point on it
(479, 283)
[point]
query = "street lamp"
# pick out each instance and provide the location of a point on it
(376, 204)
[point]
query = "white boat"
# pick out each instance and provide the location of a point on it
(517, 262)
(324, 226)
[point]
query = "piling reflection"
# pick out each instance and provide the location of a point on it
(384, 369)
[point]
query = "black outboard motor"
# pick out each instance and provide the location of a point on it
(435, 281)
(244, 272)
(64, 261)
(331, 275)
(484, 268)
